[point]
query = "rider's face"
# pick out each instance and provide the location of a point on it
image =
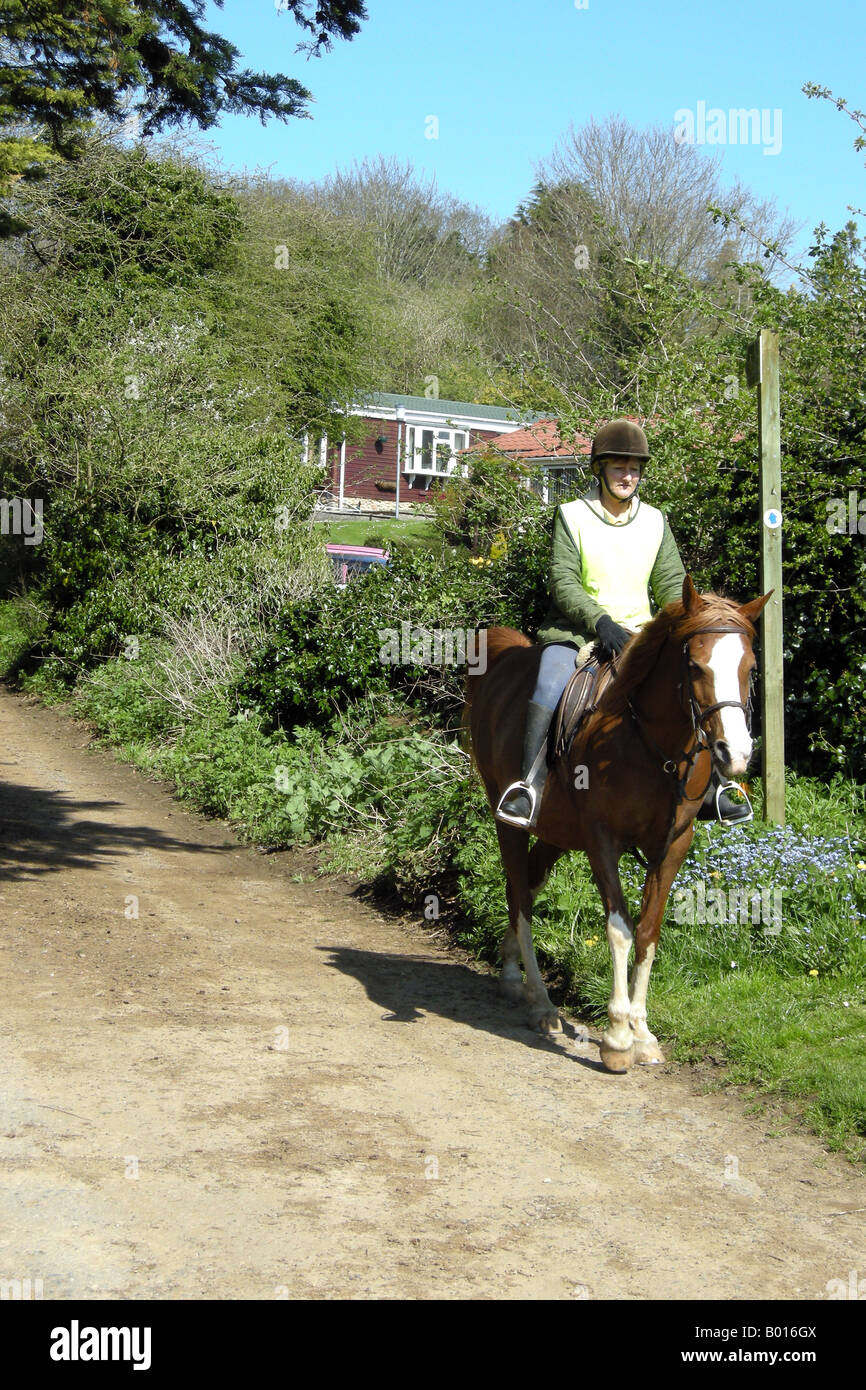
(622, 475)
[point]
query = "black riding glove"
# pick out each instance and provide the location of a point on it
(611, 636)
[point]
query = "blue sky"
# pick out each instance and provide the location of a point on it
(506, 78)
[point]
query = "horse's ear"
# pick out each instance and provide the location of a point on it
(691, 597)
(751, 610)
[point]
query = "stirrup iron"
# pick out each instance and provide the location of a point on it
(739, 820)
(526, 822)
(522, 822)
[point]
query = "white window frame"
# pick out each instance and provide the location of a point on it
(551, 470)
(443, 439)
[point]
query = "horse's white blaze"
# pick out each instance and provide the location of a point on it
(724, 662)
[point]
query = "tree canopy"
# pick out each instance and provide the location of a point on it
(64, 63)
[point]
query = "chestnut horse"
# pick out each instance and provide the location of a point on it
(634, 778)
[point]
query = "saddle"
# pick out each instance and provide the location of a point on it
(578, 701)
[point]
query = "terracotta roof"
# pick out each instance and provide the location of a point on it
(541, 440)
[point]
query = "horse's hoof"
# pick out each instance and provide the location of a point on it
(647, 1054)
(617, 1061)
(548, 1024)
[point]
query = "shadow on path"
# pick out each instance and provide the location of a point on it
(410, 986)
(41, 832)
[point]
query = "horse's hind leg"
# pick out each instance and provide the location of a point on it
(511, 975)
(525, 873)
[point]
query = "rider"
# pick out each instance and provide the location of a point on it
(610, 550)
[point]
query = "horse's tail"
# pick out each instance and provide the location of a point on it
(499, 640)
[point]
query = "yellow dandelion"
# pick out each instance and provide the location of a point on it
(813, 972)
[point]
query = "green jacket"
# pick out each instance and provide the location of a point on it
(573, 613)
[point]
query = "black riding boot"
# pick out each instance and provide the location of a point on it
(520, 803)
(717, 805)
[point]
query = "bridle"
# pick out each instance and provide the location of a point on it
(698, 716)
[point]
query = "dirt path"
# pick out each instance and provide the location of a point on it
(259, 1088)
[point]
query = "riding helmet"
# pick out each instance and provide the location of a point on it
(621, 437)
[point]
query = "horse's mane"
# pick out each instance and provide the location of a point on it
(673, 621)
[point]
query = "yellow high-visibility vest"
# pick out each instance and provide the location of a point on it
(616, 560)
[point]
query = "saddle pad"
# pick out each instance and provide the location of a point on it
(579, 700)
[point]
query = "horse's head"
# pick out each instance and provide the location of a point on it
(717, 665)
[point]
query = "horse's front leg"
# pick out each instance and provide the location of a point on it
(656, 888)
(617, 1043)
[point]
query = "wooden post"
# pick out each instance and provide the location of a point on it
(762, 370)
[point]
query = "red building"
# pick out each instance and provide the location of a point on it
(411, 442)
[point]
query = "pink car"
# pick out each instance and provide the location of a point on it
(349, 560)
